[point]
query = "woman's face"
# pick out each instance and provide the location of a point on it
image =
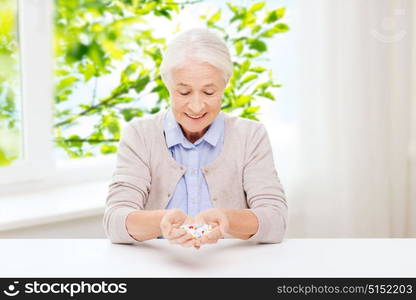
(196, 91)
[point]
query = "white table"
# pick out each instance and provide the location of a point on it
(228, 258)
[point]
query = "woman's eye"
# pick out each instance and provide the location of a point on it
(187, 93)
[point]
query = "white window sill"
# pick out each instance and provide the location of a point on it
(72, 171)
(53, 205)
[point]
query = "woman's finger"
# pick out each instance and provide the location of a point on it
(182, 239)
(211, 237)
(189, 243)
(197, 243)
(176, 233)
(199, 220)
(165, 229)
(172, 218)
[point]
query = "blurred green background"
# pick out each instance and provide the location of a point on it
(10, 132)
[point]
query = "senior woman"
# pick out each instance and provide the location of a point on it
(193, 163)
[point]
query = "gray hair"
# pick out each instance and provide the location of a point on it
(199, 44)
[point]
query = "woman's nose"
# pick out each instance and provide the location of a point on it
(196, 106)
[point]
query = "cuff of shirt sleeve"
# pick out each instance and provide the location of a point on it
(262, 231)
(118, 223)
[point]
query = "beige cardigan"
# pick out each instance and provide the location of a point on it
(243, 176)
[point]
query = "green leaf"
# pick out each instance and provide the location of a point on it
(275, 15)
(250, 113)
(256, 6)
(112, 49)
(97, 136)
(84, 106)
(65, 83)
(113, 126)
(122, 100)
(88, 71)
(248, 78)
(108, 149)
(233, 8)
(141, 83)
(256, 29)
(154, 110)
(245, 66)
(64, 112)
(278, 28)
(250, 116)
(97, 55)
(128, 71)
(76, 53)
(268, 95)
(157, 88)
(164, 13)
(6, 160)
(263, 86)
(239, 46)
(62, 72)
(242, 100)
(281, 27)
(73, 141)
(251, 109)
(258, 69)
(60, 98)
(236, 17)
(252, 55)
(214, 18)
(120, 90)
(258, 45)
(130, 113)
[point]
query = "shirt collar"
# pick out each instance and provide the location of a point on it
(174, 134)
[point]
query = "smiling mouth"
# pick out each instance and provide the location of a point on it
(199, 117)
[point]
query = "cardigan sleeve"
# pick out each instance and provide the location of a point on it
(264, 192)
(129, 186)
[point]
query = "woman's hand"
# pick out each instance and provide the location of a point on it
(218, 220)
(170, 227)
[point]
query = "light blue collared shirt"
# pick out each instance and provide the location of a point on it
(191, 194)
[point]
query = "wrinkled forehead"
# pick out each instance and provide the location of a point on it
(197, 74)
(207, 85)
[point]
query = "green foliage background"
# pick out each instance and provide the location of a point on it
(9, 85)
(93, 38)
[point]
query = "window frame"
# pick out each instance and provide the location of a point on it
(39, 166)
